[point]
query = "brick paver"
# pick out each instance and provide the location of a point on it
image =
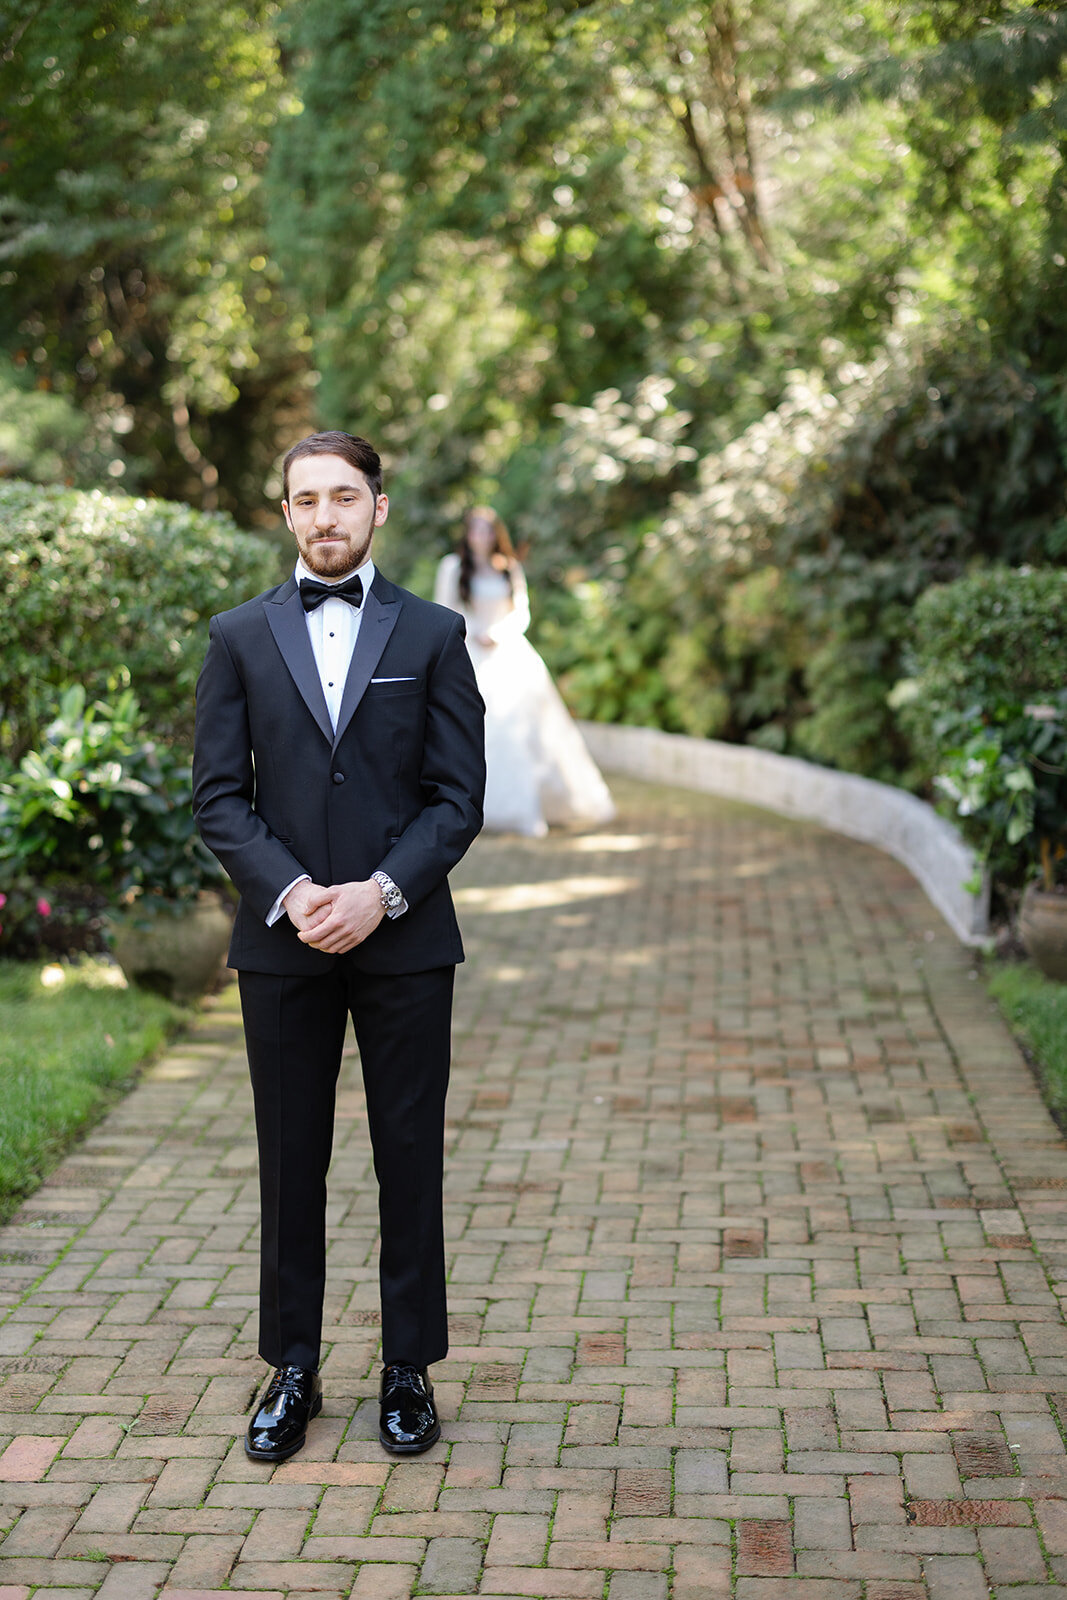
(757, 1245)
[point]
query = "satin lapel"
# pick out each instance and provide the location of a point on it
(285, 614)
(379, 620)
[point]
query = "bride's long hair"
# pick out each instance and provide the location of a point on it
(502, 558)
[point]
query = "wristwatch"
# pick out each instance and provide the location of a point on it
(392, 897)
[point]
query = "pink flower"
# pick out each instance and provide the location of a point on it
(3, 901)
(43, 908)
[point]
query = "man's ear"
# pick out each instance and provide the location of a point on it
(381, 510)
(288, 518)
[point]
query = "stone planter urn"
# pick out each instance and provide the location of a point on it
(1043, 929)
(173, 947)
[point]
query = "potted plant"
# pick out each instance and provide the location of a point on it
(97, 825)
(1043, 912)
(1005, 777)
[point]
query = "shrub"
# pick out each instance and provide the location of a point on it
(605, 649)
(46, 438)
(987, 711)
(994, 638)
(861, 492)
(101, 813)
(110, 592)
(1005, 781)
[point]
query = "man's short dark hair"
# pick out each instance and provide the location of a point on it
(357, 452)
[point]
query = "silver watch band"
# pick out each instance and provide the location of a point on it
(391, 894)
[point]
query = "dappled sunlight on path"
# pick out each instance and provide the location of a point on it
(757, 1230)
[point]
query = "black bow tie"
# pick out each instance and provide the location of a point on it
(313, 593)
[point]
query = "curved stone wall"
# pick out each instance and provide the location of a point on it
(893, 820)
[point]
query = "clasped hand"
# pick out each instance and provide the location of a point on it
(336, 918)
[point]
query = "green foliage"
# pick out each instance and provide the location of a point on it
(106, 591)
(603, 467)
(964, 466)
(45, 438)
(995, 60)
(834, 512)
(487, 145)
(512, 207)
(994, 638)
(607, 648)
(98, 814)
(846, 680)
(987, 714)
(66, 1051)
(976, 92)
(599, 616)
(528, 249)
(1003, 773)
(134, 276)
(772, 601)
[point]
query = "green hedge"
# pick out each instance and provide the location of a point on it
(987, 710)
(109, 591)
(994, 638)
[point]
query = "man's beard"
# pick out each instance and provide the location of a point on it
(336, 561)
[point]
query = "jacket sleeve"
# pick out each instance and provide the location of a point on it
(224, 783)
(452, 776)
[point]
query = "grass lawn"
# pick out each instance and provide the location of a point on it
(69, 1045)
(1036, 1010)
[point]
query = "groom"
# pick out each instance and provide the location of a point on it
(338, 776)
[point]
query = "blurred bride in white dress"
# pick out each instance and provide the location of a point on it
(538, 768)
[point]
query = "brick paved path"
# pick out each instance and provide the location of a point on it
(756, 1232)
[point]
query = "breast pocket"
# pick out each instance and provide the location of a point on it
(391, 688)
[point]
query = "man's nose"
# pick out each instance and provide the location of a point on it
(324, 516)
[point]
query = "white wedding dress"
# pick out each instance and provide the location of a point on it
(538, 769)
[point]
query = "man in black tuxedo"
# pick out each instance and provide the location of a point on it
(338, 776)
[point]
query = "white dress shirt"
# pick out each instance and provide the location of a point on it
(333, 628)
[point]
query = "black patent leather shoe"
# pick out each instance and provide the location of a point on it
(409, 1417)
(280, 1425)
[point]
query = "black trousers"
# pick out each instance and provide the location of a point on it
(294, 1033)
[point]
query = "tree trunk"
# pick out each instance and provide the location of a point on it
(734, 107)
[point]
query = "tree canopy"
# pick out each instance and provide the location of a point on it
(749, 315)
(135, 285)
(439, 221)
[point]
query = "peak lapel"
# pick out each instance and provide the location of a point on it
(378, 622)
(285, 615)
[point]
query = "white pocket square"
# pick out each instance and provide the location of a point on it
(394, 680)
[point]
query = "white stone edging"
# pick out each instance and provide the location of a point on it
(876, 813)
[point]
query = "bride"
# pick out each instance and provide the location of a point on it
(538, 768)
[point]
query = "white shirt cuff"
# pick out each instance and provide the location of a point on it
(278, 909)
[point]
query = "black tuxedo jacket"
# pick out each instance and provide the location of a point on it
(399, 786)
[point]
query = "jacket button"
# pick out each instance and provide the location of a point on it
(338, 777)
